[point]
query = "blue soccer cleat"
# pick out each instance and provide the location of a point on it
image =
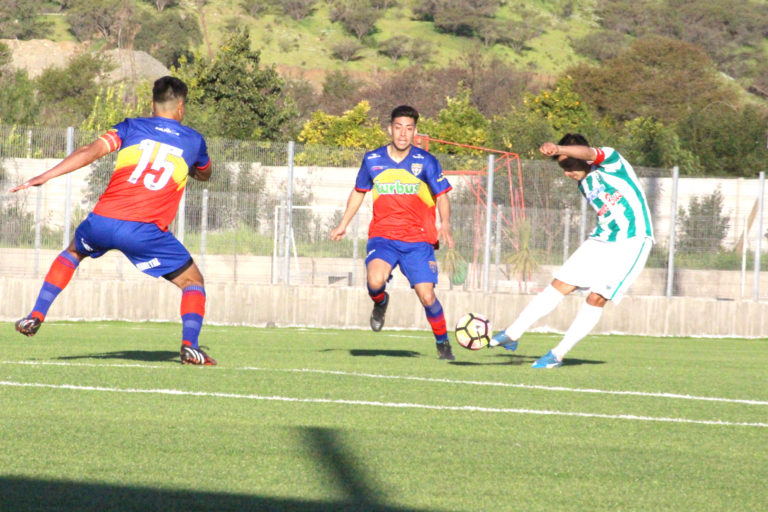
(548, 360)
(505, 341)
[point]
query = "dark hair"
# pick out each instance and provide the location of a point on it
(168, 88)
(571, 139)
(404, 111)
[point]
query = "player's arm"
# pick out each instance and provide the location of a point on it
(585, 153)
(444, 210)
(201, 173)
(353, 204)
(80, 157)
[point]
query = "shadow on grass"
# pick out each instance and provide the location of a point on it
(577, 362)
(154, 356)
(380, 352)
(347, 473)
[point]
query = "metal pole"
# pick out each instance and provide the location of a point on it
(289, 214)
(566, 234)
(38, 220)
(275, 244)
(672, 225)
(355, 247)
(759, 234)
(488, 219)
(497, 256)
(181, 215)
(68, 193)
(583, 222)
(203, 228)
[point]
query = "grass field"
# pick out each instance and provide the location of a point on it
(101, 416)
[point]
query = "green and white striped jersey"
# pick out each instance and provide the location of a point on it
(613, 190)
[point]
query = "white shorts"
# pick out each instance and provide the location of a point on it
(606, 268)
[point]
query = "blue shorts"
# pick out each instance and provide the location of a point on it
(154, 251)
(416, 259)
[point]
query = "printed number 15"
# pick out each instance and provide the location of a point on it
(154, 181)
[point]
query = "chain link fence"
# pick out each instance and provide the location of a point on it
(266, 214)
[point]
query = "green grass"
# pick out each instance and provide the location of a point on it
(100, 416)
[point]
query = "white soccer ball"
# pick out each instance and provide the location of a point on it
(473, 331)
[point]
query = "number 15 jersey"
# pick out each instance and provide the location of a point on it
(153, 162)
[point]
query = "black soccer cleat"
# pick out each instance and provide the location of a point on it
(191, 355)
(28, 326)
(444, 351)
(378, 313)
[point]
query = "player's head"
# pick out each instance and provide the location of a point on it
(402, 127)
(568, 163)
(168, 96)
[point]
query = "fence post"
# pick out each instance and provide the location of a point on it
(181, 215)
(289, 215)
(488, 228)
(203, 229)
(355, 248)
(566, 233)
(759, 234)
(672, 225)
(583, 222)
(497, 256)
(68, 193)
(38, 221)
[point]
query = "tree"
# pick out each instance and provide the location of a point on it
(232, 96)
(353, 129)
(460, 122)
(17, 93)
(66, 95)
(656, 77)
(357, 17)
(703, 226)
(179, 33)
(21, 19)
(112, 104)
(649, 143)
(297, 9)
(339, 91)
(89, 18)
(347, 50)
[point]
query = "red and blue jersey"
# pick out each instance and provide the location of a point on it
(153, 162)
(404, 194)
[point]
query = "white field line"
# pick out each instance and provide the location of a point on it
(647, 394)
(394, 405)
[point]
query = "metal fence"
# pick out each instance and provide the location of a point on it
(266, 214)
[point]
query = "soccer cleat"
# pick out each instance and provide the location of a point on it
(444, 351)
(28, 326)
(191, 355)
(378, 313)
(548, 360)
(505, 341)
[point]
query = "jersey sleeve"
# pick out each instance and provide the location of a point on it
(202, 161)
(363, 183)
(436, 180)
(115, 135)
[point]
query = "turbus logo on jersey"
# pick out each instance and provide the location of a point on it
(397, 188)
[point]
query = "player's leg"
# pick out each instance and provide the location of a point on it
(541, 305)
(613, 272)
(436, 318)
(189, 279)
(418, 263)
(59, 275)
(379, 264)
(159, 254)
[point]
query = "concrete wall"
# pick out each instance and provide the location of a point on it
(349, 307)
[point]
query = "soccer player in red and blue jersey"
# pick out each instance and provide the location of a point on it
(408, 185)
(156, 156)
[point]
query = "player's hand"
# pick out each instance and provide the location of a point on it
(34, 182)
(549, 149)
(337, 233)
(444, 233)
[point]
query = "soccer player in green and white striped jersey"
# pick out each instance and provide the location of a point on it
(611, 258)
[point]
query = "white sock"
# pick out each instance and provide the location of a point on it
(542, 304)
(585, 321)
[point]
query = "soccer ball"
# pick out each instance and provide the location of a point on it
(473, 331)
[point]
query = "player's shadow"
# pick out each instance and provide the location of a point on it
(577, 362)
(150, 356)
(500, 360)
(359, 352)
